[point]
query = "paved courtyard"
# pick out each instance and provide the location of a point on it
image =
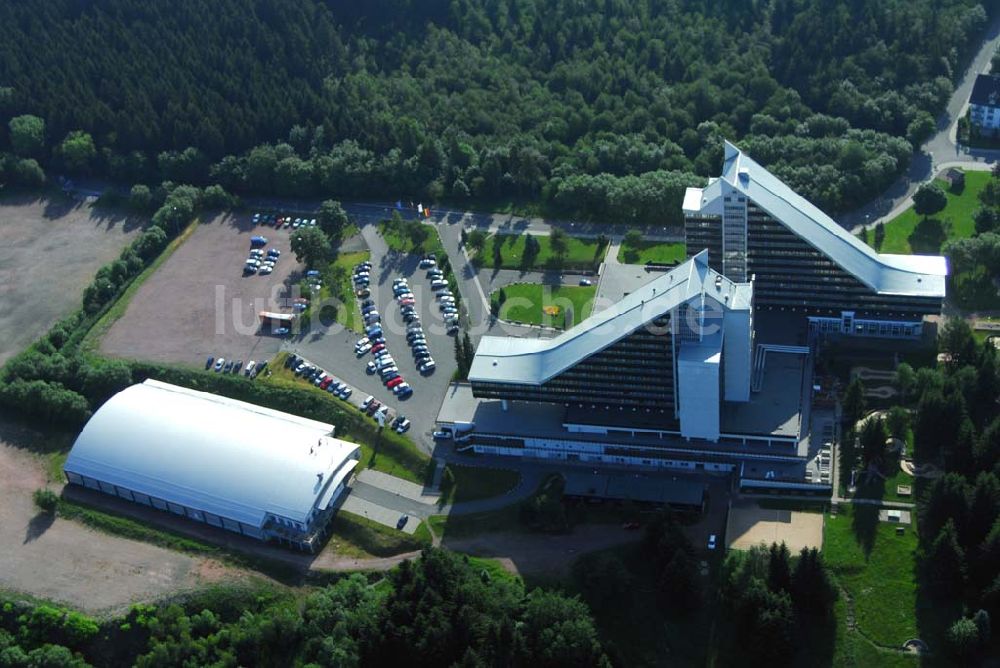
(750, 525)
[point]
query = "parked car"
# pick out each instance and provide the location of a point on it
(452, 329)
(364, 349)
(282, 331)
(711, 542)
(394, 381)
(435, 273)
(367, 402)
(427, 366)
(249, 368)
(291, 360)
(260, 369)
(438, 284)
(402, 425)
(237, 366)
(373, 407)
(585, 281)
(326, 382)
(370, 368)
(312, 273)
(228, 367)
(377, 348)
(426, 263)
(258, 241)
(344, 393)
(265, 270)
(403, 391)
(209, 362)
(363, 292)
(219, 363)
(274, 252)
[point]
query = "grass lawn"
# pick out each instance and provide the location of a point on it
(907, 234)
(652, 251)
(388, 452)
(877, 568)
(117, 309)
(526, 301)
(580, 253)
(356, 536)
(852, 650)
(411, 237)
(338, 285)
(475, 482)
(886, 489)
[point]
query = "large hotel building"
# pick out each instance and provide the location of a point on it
(709, 365)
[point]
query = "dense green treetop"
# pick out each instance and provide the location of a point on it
(489, 98)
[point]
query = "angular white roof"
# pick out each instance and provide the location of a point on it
(211, 453)
(534, 361)
(914, 275)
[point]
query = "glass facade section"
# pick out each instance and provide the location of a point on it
(635, 372)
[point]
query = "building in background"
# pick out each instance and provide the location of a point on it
(801, 260)
(984, 104)
(237, 466)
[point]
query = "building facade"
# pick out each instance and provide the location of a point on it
(984, 104)
(752, 224)
(672, 351)
(261, 473)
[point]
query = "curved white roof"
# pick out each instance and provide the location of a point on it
(914, 275)
(211, 453)
(534, 361)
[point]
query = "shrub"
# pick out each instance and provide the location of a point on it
(46, 499)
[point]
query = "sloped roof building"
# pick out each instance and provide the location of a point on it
(249, 469)
(753, 224)
(677, 347)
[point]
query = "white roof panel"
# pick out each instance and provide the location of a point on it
(885, 274)
(534, 361)
(211, 453)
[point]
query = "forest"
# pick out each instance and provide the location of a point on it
(439, 610)
(602, 109)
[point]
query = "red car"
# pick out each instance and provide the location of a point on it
(326, 383)
(378, 347)
(409, 301)
(394, 382)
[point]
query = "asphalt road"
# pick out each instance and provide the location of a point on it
(938, 152)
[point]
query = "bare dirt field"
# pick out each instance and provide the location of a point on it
(50, 250)
(64, 561)
(199, 303)
(751, 525)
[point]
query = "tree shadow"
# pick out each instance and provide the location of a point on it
(864, 523)
(38, 525)
(928, 236)
(816, 640)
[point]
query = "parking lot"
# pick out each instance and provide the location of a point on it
(200, 303)
(49, 252)
(334, 350)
